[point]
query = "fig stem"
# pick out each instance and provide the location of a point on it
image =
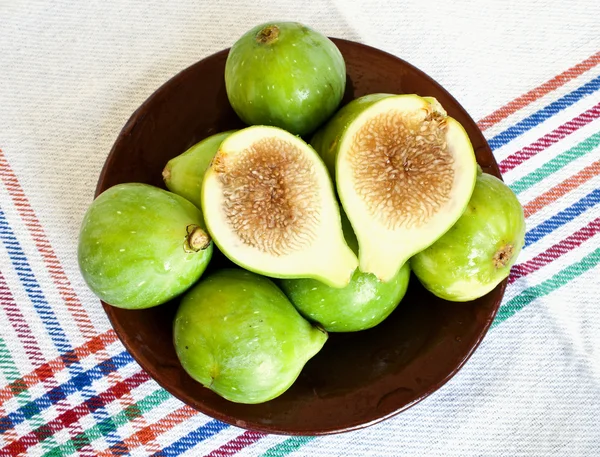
(197, 239)
(268, 34)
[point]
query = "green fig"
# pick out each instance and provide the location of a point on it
(285, 74)
(236, 333)
(362, 304)
(476, 254)
(140, 246)
(183, 174)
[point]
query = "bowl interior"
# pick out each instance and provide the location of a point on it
(357, 379)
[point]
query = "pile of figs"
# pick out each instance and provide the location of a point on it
(386, 185)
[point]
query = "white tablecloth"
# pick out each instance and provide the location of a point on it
(71, 74)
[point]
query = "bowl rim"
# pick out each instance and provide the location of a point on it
(138, 115)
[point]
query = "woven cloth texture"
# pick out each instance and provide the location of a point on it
(71, 74)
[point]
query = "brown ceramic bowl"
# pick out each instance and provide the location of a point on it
(357, 379)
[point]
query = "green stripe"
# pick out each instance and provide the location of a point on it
(11, 373)
(556, 164)
(288, 446)
(101, 429)
(558, 280)
(7, 364)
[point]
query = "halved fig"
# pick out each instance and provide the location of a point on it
(404, 172)
(269, 204)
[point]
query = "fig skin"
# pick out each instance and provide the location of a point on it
(237, 334)
(476, 254)
(286, 75)
(183, 174)
(140, 246)
(364, 303)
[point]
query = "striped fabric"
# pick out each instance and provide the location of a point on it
(67, 388)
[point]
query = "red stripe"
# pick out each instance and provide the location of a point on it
(237, 444)
(34, 353)
(559, 249)
(57, 273)
(24, 334)
(538, 92)
(16, 318)
(44, 373)
(166, 423)
(50, 368)
(74, 414)
(549, 139)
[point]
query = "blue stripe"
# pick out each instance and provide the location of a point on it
(32, 287)
(75, 384)
(566, 215)
(188, 441)
(53, 328)
(540, 116)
